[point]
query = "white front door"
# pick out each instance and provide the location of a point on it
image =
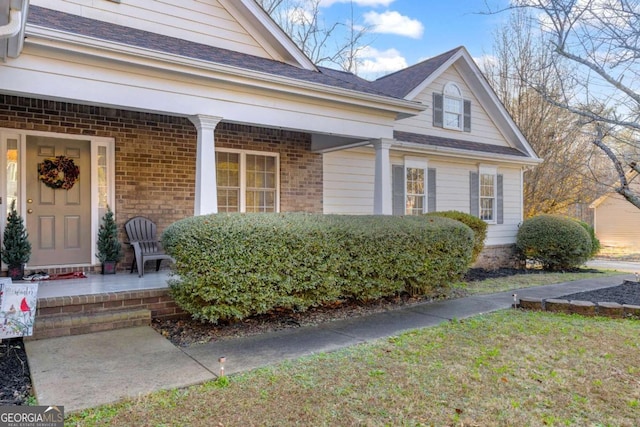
(58, 220)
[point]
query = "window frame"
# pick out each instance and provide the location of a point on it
(242, 175)
(421, 164)
(493, 172)
(459, 100)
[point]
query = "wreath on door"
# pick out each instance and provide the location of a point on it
(58, 172)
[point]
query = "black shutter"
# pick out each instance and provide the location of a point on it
(500, 201)
(397, 184)
(431, 190)
(467, 115)
(474, 194)
(438, 110)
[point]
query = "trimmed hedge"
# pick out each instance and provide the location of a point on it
(478, 226)
(556, 242)
(231, 266)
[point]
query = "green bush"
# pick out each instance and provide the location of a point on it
(554, 241)
(478, 226)
(231, 266)
(595, 243)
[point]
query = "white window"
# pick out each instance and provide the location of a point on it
(247, 181)
(413, 187)
(453, 109)
(488, 186)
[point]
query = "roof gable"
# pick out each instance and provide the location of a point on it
(236, 25)
(411, 82)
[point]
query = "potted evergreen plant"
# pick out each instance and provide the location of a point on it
(16, 248)
(109, 248)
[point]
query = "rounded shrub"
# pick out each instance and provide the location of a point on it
(231, 266)
(478, 226)
(554, 241)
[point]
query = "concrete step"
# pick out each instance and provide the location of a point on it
(60, 325)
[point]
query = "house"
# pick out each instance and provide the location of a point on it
(174, 109)
(616, 221)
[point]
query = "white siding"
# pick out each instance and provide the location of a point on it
(483, 129)
(206, 22)
(348, 182)
(617, 222)
(349, 177)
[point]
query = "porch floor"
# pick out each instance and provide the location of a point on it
(102, 284)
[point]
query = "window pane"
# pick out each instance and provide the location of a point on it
(415, 205)
(228, 200)
(486, 209)
(261, 183)
(453, 105)
(486, 185)
(12, 173)
(415, 191)
(227, 167)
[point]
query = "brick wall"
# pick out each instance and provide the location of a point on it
(155, 155)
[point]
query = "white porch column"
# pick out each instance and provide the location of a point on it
(206, 194)
(382, 196)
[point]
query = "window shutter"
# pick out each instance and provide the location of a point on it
(438, 114)
(474, 194)
(500, 201)
(467, 115)
(397, 178)
(431, 190)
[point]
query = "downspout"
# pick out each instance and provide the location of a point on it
(13, 27)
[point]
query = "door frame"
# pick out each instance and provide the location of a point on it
(98, 145)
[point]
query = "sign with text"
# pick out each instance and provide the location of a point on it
(17, 308)
(31, 416)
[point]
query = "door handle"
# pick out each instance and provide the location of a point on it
(29, 211)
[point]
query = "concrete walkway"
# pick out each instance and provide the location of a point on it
(84, 371)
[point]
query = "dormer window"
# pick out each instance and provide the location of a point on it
(451, 110)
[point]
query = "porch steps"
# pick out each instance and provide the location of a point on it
(76, 324)
(83, 314)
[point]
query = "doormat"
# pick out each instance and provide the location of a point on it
(41, 275)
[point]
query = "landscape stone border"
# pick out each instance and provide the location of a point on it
(584, 308)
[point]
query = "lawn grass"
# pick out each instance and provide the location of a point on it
(534, 278)
(510, 368)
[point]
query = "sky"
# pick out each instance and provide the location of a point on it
(404, 32)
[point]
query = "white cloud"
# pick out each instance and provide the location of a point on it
(363, 3)
(392, 22)
(374, 63)
(486, 61)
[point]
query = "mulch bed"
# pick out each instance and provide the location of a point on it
(627, 293)
(15, 385)
(187, 332)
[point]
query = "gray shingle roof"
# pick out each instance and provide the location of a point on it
(401, 83)
(130, 36)
(437, 141)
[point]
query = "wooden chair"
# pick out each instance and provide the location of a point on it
(146, 247)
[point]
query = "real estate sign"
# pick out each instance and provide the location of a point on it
(17, 308)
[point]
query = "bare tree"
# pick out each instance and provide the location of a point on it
(337, 43)
(566, 177)
(601, 39)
